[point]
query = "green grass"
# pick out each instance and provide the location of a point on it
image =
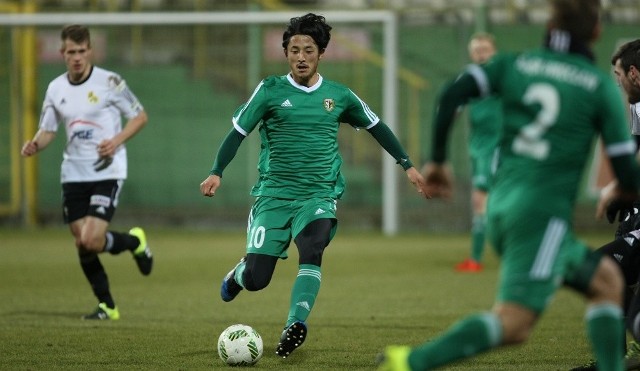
(375, 291)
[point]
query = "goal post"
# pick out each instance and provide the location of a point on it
(387, 19)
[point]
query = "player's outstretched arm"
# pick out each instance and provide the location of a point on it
(226, 153)
(385, 137)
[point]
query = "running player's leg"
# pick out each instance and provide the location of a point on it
(481, 173)
(311, 242)
(268, 237)
(76, 199)
(478, 226)
(96, 236)
(599, 279)
(313, 226)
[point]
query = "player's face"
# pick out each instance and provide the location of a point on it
(77, 58)
(303, 56)
(481, 50)
(628, 81)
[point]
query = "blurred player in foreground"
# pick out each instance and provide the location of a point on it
(556, 103)
(298, 116)
(91, 102)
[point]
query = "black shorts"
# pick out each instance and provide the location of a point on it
(99, 199)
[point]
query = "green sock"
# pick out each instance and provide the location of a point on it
(470, 336)
(237, 275)
(304, 293)
(478, 228)
(605, 330)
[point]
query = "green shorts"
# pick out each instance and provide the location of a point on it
(274, 222)
(539, 253)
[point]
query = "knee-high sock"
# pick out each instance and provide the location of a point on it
(470, 336)
(304, 292)
(478, 229)
(117, 242)
(97, 277)
(605, 330)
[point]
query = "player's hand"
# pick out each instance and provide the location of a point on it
(418, 182)
(209, 186)
(102, 163)
(630, 223)
(619, 209)
(29, 148)
(614, 203)
(107, 148)
(439, 180)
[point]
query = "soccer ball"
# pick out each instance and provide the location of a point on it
(240, 345)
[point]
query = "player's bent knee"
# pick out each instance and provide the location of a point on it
(255, 282)
(312, 255)
(92, 244)
(607, 283)
(517, 323)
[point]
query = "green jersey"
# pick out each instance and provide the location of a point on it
(298, 127)
(555, 106)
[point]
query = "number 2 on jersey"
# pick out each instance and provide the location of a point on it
(530, 141)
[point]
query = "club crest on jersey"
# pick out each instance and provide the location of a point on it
(329, 104)
(92, 97)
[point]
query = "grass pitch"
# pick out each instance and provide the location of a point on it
(375, 291)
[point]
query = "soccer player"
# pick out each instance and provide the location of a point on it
(485, 119)
(297, 116)
(625, 248)
(556, 102)
(90, 102)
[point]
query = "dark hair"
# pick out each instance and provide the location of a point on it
(311, 25)
(629, 55)
(76, 33)
(578, 17)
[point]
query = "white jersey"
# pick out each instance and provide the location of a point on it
(635, 118)
(91, 112)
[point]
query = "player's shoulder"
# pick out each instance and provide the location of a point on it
(274, 80)
(61, 80)
(109, 78)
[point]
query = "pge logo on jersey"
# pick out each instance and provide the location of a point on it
(82, 134)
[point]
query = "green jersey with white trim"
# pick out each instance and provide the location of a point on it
(555, 106)
(298, 127)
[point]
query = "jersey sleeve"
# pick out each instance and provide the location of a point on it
(452, 96)
(357, 112)
(49, 119)
(123, 97)
(249, 115)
